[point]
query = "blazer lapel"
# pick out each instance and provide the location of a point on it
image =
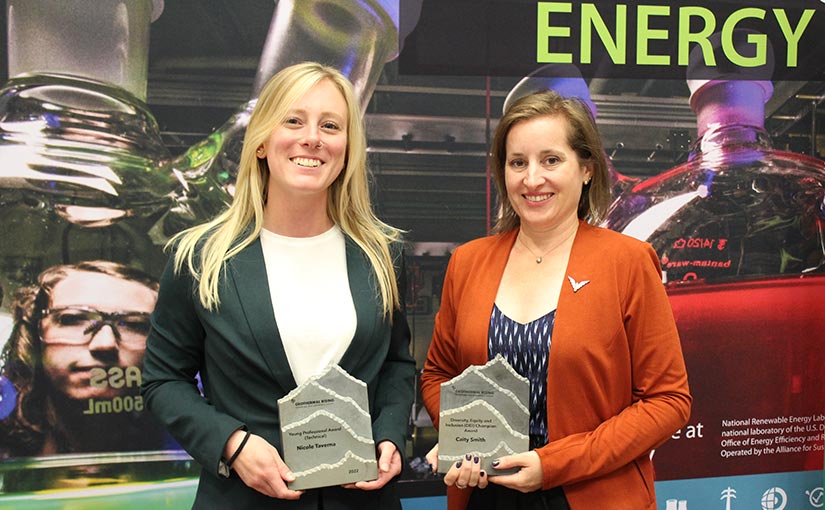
(247, 271)
(364, 290)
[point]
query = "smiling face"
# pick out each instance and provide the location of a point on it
(307, 152)
(69, 365)
(543, 175)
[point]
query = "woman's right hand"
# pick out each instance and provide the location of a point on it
(465, 473)
(260, 467)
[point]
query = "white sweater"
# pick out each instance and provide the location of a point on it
(311, 298)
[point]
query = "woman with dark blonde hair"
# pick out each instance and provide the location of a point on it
(578, 310)
(79, 325)
(296, 275)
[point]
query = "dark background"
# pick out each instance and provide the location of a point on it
(427, 133)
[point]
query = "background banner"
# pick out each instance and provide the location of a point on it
(632, 39)
(121, 124)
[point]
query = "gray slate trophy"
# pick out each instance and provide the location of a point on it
(326, 431)
(484, 411)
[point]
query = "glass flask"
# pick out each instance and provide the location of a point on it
(85, 174)
(79, 176)
(739, 232)
(81, 156)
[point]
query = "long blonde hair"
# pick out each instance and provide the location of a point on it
(206, 247)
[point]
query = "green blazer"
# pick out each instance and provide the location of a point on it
(244, 371)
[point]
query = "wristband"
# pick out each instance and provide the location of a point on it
(238, 451)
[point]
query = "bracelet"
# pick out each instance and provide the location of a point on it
(238, 451)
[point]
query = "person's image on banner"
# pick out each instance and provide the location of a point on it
(74, 360)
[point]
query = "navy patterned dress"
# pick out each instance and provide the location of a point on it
(526, 347)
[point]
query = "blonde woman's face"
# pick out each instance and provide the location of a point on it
(306, 153)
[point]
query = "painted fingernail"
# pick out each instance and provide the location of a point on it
(458, 465)
(468, 457)
(475, 460)
(495, 463)
(482, 474)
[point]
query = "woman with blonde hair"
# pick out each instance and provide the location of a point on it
(297, 274)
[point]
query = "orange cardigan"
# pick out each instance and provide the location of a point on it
(616, 380)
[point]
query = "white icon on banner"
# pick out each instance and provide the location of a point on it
(774, 499)
(727, 495)
(674, 504)
(816, 497)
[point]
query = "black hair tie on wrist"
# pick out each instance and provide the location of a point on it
(238, 451)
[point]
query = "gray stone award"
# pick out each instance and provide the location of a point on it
(326, 431)
(484, 412)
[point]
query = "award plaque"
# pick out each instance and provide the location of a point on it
(484, 412)
(326, 431)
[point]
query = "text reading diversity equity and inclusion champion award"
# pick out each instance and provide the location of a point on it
(326, 431)
(484, 411)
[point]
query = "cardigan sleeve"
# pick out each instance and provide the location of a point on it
(660, 400)
(174, 356)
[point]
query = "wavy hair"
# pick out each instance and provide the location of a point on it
(35, 417)
(583, 138)
(205, 248)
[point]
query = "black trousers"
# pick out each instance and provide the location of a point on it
(496, 497)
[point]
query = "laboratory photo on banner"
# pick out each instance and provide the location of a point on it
(694, 148)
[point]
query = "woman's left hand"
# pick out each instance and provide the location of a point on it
(389, 466)
(528, 479)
